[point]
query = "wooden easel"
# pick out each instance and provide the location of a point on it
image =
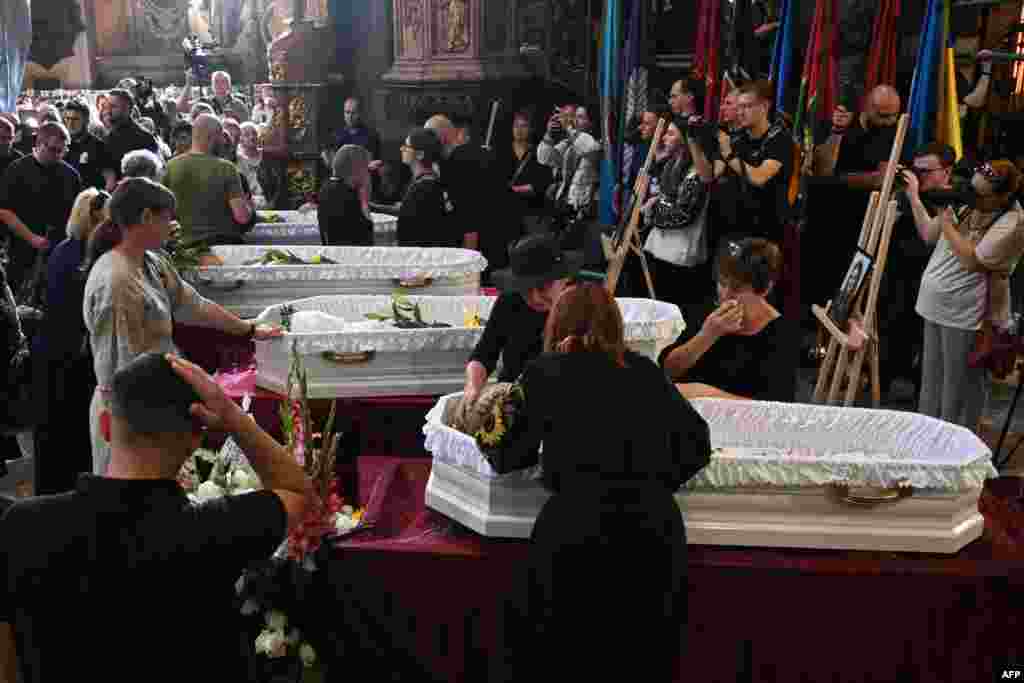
(617, 249)
(847, 351)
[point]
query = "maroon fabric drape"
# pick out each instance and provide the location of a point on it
(882, 55)
(707, 66)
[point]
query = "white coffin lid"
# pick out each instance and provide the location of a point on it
(299, 222)
(645, 320)
(793, 445)
(353, 263)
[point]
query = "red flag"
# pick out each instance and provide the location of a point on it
(706, 63)
(882, 55)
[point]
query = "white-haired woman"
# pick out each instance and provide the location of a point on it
(141, 163)
(250, 161)
(63, 373)
(343, 210)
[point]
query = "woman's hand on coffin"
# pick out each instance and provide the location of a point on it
(217, 411)
(264, 332)
(726, 319)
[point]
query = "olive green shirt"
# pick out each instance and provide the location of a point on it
(203, 186)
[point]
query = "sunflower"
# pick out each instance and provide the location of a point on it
(494, 430)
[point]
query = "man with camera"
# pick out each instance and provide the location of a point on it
(224, 102)
(145, 100)
(761, 155)
(923, 189)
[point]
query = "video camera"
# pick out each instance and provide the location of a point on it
(197, 58)
(141, 88)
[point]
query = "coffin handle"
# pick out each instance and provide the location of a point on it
(348, 358)
(413, 282)
(901, 490)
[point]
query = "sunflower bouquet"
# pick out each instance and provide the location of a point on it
(496, 420)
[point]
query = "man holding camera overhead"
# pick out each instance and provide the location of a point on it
(224, 102)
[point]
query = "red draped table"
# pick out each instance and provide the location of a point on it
(756, 614)
(417, 583)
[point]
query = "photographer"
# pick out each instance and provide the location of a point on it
(223, 100)
(145, 99)
(928, 176)
(574, 155)
(762, 156)
(966, 288)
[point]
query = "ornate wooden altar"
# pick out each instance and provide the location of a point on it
(299, 61)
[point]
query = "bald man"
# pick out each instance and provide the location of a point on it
(464, 178)
(859, 146)
(211, 206)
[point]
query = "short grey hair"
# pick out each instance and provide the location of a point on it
(141, 163)
(346, 159)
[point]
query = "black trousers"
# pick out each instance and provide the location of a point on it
(63, 446)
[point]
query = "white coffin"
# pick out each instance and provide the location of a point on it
(421, 362)
(303, 228)
(777, 478)
(249, 290)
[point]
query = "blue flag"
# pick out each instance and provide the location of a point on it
(15, 41)
(782, 55)
(611, 97)
(924, 88)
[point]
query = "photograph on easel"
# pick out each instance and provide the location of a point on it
(853, 283)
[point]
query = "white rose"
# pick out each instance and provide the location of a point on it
(277, 646)
(307, 654)
(240, 480)
(347, 509)
(208, 491)
(343, 523)
(263, 642)
(276, 620)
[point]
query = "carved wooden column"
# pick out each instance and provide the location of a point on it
(445, 50)
(299, 60)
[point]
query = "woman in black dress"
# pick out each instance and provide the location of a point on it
(743, 349)
(515, 328)
(344, 210)
(605, 594)
(424, 220)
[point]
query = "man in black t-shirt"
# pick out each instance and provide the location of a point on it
(859, 146)
(8, 154)
(36, 196)
(87, 154)
(125, 135)
(762, 156)
(93, 582)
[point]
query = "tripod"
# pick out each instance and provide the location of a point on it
(996, 461)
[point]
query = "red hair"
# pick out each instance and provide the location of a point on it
(586, 318)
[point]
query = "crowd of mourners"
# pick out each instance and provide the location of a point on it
(92, 189)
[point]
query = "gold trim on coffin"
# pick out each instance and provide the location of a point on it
(871, 496)
(351, 358)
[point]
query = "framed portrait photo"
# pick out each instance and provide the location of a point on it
(851, 287)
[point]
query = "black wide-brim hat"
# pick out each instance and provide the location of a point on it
(536, 260)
